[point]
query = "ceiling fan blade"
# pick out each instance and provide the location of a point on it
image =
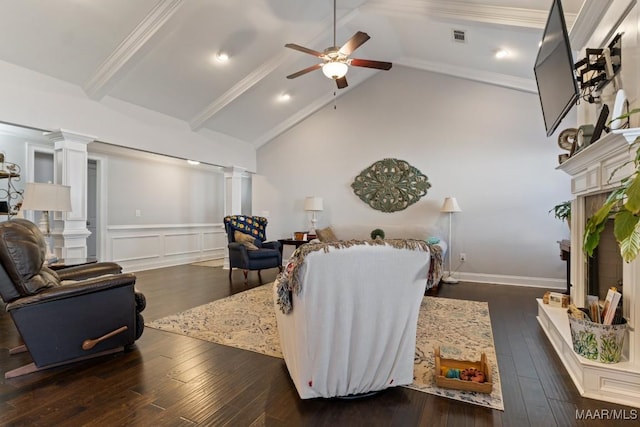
(305, 71)
(304, 49)
(342, 82)
(380, 65)
(354, 42)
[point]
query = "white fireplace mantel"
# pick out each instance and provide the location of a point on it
(596, 169)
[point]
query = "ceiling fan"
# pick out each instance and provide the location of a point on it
(336, 60)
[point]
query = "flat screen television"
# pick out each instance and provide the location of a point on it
(554, 70)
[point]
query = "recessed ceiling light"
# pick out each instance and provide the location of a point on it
(284, 97)
(193, 162)
(222, 56)
(502, 53)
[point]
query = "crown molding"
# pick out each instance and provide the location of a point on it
(97, 86)
(587, 21)
(496, 79)
(452, 10)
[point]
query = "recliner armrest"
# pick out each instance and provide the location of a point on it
(83, 272)
(80, 288)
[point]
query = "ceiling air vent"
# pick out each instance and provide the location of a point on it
(459, 36)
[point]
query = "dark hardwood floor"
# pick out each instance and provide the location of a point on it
(172, 380)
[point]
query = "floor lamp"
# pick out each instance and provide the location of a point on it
(450, 206)
(39, 196)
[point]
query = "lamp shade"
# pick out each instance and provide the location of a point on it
(39, 196)
(450, 205)
(313, 203)
(335, 70)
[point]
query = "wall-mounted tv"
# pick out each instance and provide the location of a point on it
(554, 70)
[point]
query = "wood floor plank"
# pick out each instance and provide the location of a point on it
(173, 380)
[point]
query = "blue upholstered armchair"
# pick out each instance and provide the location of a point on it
(252, 252)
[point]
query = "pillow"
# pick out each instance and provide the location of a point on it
(245, 239)
(326, 235)
(433, 240)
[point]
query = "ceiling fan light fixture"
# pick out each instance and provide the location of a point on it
(222, 56)
(501, 53)
(335, 70)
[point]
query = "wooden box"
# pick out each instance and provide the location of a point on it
(457, 384)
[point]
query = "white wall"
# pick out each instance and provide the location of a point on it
(483, 144)
(180, 209)
(35, 100)
(163, 194)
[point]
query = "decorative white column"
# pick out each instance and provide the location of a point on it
(70, 157)
(232, 196)
(233, 190)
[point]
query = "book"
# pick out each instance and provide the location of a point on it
(594, 308)
(610, 305)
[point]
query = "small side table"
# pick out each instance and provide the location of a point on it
(292, 242)
(71, 262)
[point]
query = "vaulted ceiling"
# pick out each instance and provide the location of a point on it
(162, 54)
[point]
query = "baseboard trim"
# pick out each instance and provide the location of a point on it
(133, 266)
(498, 279)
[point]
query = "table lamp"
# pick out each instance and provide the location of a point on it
(47, 197)
(313, 204)
(450, 206)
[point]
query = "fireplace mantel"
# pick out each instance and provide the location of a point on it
(598, 168)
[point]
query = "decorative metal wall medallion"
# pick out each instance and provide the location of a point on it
(390, 185)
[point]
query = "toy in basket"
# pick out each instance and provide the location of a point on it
(463, 374)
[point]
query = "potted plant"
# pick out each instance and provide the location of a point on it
(562, 211)
(624, 204)
(377, 234)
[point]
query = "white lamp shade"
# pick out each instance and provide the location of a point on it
(335, 70)
(39, 196)
(313, 204)
(450, 205)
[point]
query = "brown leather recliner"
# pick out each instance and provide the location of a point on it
(96, 313)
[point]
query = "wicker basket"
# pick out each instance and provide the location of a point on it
(454, 383)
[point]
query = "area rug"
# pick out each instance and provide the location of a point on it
(209, 263)
(462, 330)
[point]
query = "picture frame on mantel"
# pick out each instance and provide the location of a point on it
(600, 124)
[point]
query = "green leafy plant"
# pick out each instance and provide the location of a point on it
(377, 233)
(562, 211)
(624, 205)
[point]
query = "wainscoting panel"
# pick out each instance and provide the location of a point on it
(143, 247)
(182, 243)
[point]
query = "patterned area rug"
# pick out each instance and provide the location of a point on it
(247, 320)
(209, 263)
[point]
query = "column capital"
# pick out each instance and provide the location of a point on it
(61, 135)
(234, 171)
